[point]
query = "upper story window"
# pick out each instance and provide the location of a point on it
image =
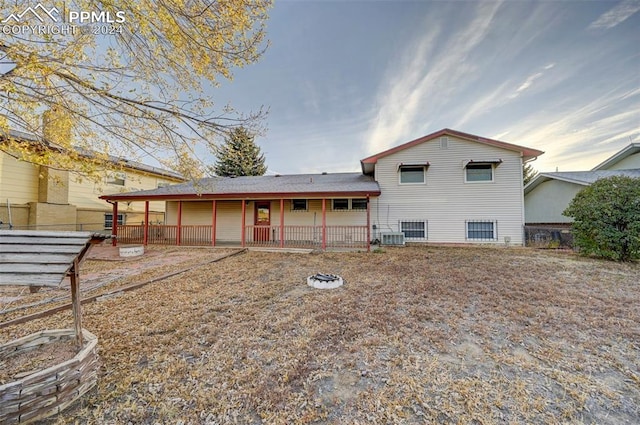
(479, 172)
(117, 178)
(412, 174)
(299, 205)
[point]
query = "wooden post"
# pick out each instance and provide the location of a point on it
(75, 301)
(213, 223)
(243, 220)
(179, 229)
(145, 242)
(368, 225)
(281, 223)
(114, 225)
(324, 224)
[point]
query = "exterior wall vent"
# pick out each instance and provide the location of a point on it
(444, 142)
(392, 238)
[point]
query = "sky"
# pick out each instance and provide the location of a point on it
(347, 79)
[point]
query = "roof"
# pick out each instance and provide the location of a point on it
(139, 166)
(582, 178)
(278, 186)
(527, 153)
(628, 150)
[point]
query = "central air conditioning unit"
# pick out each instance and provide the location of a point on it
(392, 238)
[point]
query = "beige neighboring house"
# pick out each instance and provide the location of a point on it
(549, 194)
(40, 198)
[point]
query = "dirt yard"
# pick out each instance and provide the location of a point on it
(416, 335)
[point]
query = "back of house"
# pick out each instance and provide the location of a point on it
(450, 187)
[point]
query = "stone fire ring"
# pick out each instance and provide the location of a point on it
(47, 392)
(325, 281)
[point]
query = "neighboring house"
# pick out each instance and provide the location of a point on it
(549, 194)
(40, 198)
(447, 187)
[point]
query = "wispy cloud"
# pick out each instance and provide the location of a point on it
(426, 74)
(616, 15)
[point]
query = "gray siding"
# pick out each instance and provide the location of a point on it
(446, 201)
(545, 203)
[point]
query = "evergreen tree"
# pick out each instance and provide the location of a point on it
(528, 173)
(238, 156)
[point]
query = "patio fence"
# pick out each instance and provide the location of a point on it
(260, 236)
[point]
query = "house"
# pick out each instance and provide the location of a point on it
(40, 198)
(549, 194)
(446, 187)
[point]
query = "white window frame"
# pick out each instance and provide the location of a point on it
(121, 218)
(333, 204)
(481, 238)
(364, 200)
(425, 229)
(118, 178)
(466, 170)
(424, 174)
(306, 205)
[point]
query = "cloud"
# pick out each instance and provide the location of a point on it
(529, 81)
(424, 77)
(616, 15)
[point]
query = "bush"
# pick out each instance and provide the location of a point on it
(607, 218)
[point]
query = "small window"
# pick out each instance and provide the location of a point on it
(411, 174)
(108, 220)
(163, 184)
(117, 179)
(414, 229)
(482, 230)
(299, 205)
(479, 172)
(359, 204)
(340, 204)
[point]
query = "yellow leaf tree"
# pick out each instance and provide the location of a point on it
(122, 78)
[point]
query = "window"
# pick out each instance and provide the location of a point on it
(414, 229)
(163, 184)
(359, 204)
(108, 220)
(479, 172)
(482, 230)
(340, 204)
(412, 174)
(117, 179)
(299, 205)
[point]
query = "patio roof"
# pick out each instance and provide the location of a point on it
(323, 185)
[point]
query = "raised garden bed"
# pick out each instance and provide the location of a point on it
(37, 394)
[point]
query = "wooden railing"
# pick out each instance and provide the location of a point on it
(307, 236)
(261, 236)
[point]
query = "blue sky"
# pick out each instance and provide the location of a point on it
(346, 79)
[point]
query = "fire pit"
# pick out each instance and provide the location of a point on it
(325, 281)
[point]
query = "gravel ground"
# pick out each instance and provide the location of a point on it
(416, 335)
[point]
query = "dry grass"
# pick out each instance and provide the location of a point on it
(416, 335)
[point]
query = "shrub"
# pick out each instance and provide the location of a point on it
(607, 218)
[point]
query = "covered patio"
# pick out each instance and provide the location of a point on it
(319, 211)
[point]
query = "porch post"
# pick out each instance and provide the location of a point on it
(281, 223)
(324, 224)
(114, 224)
(179, 229)
(368, 225)
(145, 241)
(213, 223)
(244, 219)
